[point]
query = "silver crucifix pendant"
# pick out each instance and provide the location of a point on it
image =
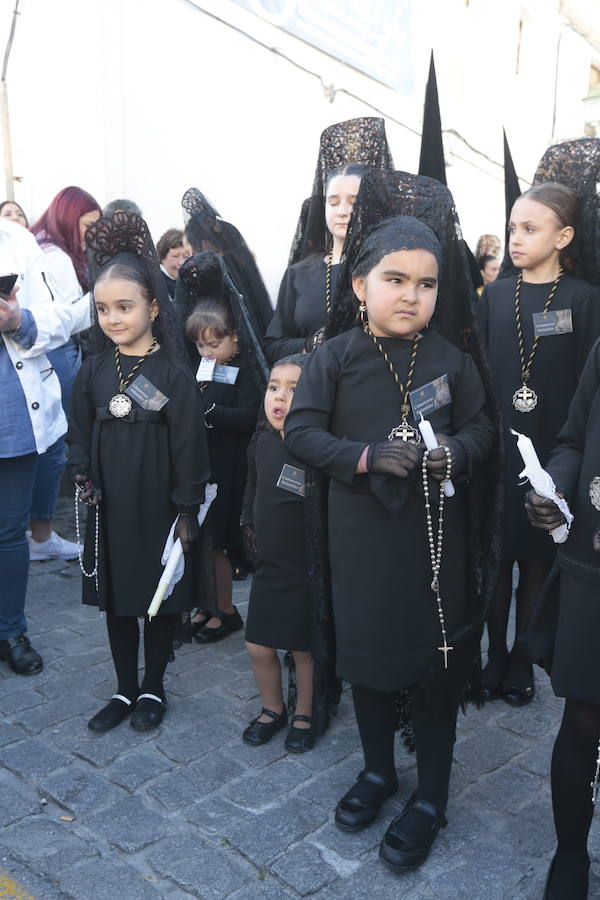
(445, 649)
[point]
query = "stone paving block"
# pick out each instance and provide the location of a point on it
(21, 700)
(190, 743)
(72, 663)
(107, 879)
(53, 712)
(242, 686)
(328, 786)
(304, 869)
(535, 721)
(485, 749)
(333, 747)
(98, 749)
(15, 805)
(478, 866)
(200, 869)
(532, 833)
(41, 887)
(79, 790)
(45, 845)
(128, 824)
(186, 784)
(32, 757)
(537, 757)
(263, 887)
(370, 879)
(213, 814)
(256, 757)
(272, 832)
(508, 789)
(347, 849)
(9, 734)
(200, 678)
(259, 790)
(136, 768)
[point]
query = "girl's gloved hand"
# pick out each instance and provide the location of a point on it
(187, 529)
(396, 457)
(542, 512)
(87, 492)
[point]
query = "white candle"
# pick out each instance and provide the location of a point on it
(431, 443)
(541, 482)
(165, 578)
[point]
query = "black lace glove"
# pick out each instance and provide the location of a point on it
(314, 340)
(87, 492)
(542, 512)
(397, 457)
(596, 540)
(249, 542)
(436, 461)
(187, 529)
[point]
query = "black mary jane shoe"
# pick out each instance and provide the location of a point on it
(299, 740)
(258, 733)
(20, 655)
(198, 626)
(492, 691)
(399, 849)
(230, 622)
(111, 715)
(517, 696)
(148, 713)
(353, 813)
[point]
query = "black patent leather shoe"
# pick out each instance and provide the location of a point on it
(117, 709)
(492, 691)
(516, 696)
(21, 656)
(198, 626)
(258, 733)
(399, 849)
(230, 622)
(299, 740)
(148, 713)
(353, 813)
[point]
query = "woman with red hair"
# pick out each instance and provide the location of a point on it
(60, 231)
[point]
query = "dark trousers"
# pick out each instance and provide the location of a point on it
(17, 477)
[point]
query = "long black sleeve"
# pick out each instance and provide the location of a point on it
(250, 491)
(187, 443)
(81, 423)
(471, 424)
(242, 416)
(281, 338)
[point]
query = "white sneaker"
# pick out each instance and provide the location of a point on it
(54, 548)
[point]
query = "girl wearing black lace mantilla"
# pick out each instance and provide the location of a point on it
(308, 288)
(139, 458)
(408, 569)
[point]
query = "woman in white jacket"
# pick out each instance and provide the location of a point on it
(31, 419)
(60, 231)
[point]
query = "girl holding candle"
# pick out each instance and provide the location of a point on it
(409, 572)
(139, 458)
(539, 326)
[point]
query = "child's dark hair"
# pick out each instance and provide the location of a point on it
(564, 203)
(348, 169)
(210, 315)
(294, 359)
(127, 272)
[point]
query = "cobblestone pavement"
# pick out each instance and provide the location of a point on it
(190, 811)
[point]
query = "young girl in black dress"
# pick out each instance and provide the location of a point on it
(539, 326)
(231, 401)
(139, 458)
(351, 418)
(280, 613)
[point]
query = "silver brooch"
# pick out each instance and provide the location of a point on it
(595, 492)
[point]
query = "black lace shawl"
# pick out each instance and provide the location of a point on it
(384, 194)
(577, 164)
(205, 275)
(125, 238)
(206, 230)
(356, 141)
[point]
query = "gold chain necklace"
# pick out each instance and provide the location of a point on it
(405, 431)
(328, 282)
(525, 399)
(120, 405)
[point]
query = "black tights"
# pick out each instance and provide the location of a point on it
(124, 636)
(435, 733)
(573, 767)
(516, 669)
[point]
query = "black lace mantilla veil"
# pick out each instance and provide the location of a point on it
(355, 141)
(384, 194)
(577, 164)
(205, 275)
(208, 231)
(125, 238)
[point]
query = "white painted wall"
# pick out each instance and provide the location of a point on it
(144, 98)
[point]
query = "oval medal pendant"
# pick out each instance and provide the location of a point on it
(405, 432)
(525, 400)
(119, 406)
(595, 492)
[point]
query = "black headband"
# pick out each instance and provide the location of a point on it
(394, 233)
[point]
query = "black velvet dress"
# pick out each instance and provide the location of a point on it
(386, 621)
(280, 612)
(149, 466)
(574, 465)
(230, 426)
(301, 307)
(558, 363)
